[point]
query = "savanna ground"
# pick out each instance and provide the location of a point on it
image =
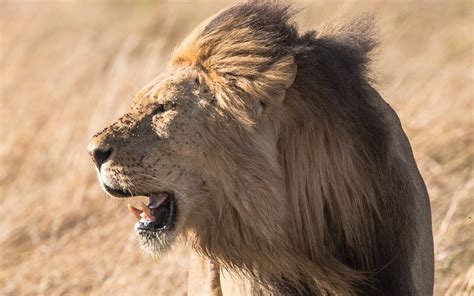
(70, 68)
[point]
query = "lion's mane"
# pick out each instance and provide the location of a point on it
(321, 216)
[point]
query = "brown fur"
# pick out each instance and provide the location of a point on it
(301, 178)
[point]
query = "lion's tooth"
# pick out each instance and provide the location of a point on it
(136, 212)
(146, 211)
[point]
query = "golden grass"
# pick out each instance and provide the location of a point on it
(68, 69)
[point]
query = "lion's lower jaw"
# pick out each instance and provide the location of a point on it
(155, 244)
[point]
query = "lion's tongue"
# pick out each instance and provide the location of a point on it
(154, 202)
(145, 212)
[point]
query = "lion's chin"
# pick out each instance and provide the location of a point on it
(156, 227)
(155, 243)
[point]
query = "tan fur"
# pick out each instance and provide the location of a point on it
(284, 160)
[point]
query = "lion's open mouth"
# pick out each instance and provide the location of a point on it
(158, 215)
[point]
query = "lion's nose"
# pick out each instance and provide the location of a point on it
(100, 155)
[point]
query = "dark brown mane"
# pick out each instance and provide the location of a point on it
(342, 182)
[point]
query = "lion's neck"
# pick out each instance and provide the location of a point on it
(203, 277)
(206, 278)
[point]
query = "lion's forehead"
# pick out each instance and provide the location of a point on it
(169, 86)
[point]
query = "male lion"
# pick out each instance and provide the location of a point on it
(271, 153)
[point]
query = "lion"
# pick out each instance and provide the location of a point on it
(270, 152)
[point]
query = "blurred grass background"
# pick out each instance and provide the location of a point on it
(68, 68)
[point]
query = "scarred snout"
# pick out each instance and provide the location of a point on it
(102, 152)
(156, 218)
(99, 152)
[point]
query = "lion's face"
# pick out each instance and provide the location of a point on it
(157, 149)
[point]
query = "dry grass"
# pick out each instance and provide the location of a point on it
(68, 69)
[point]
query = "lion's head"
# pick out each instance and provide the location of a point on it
(205, 135)
(252, 148)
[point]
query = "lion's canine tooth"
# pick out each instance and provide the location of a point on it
(136, 212)
(146, 211)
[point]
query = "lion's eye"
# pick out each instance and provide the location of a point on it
(161, 108)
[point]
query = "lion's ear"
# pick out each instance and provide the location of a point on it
(283, 72)
(269, 82)
(279, 78)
